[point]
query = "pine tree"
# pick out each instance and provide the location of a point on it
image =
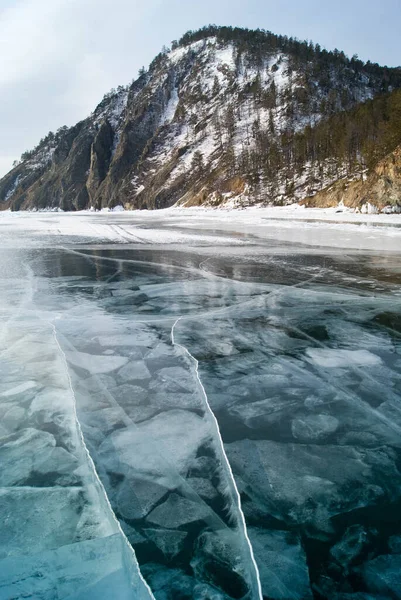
(216, 86)
(218, 131)
(229, 122)
(197, 165)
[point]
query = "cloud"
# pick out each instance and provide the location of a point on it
(23, 29)
(59, 57)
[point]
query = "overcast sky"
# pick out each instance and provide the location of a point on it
(58, 57)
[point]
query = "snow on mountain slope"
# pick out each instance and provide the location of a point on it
(213, 121)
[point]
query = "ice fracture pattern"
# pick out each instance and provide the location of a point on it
(180, 427)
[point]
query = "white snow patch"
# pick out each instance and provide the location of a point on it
(139, 189)
(176, 55)
(19, 389)
(329, 358)
(225, 56)
(96, 363)
(196, 226)
(41, 158)
(13, 187)
(171, 107)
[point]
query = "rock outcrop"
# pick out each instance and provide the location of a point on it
(228, 116)
(380, 190)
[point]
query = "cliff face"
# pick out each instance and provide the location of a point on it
(380, 189)
(225, 117)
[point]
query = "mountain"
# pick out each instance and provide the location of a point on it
(227, 116)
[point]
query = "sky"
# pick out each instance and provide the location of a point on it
(59, 57)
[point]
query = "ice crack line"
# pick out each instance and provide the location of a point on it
(167, 463)
(92, 464)
(224, 455)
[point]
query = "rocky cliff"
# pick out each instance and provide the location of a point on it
(225, 116)
(380, 190)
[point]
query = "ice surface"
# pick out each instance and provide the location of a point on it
(178, 511)
(343, 358)
(96, 364)
(311, 484)
(382, 575)
(282, 564)
(139, 338)
(299, 361)
(351, 546)
(129, 395)
(131, 452)
(18, 466)
(313, 427)
(169, 541)
(134, 371)
(175, 583)
(136, 498)
(203, 487)
(394, 544)
(212, 560)
(90, 570)
(57, 516)
(54, 511)
(107, 419)
(145, 437)
(19, 389)
(97, 383)
(283, 223)
(13, 418)
(173, 379)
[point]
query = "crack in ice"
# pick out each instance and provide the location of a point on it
(212, 518)
(195, 362)
(92, 464)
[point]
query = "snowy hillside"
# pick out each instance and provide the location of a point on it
(228, 116)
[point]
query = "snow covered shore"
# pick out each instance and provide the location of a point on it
(203, 227)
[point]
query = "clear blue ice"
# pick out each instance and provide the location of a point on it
(172, 427)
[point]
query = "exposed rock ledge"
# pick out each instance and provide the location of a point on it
(381, 188)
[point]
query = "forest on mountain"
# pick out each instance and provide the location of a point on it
(225, 115)
(346, 143)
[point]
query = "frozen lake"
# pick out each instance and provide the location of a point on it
(205, 409)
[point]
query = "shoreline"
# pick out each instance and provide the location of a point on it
(318, 228)
(273, 213)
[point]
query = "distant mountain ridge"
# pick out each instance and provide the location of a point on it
(227, 116)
